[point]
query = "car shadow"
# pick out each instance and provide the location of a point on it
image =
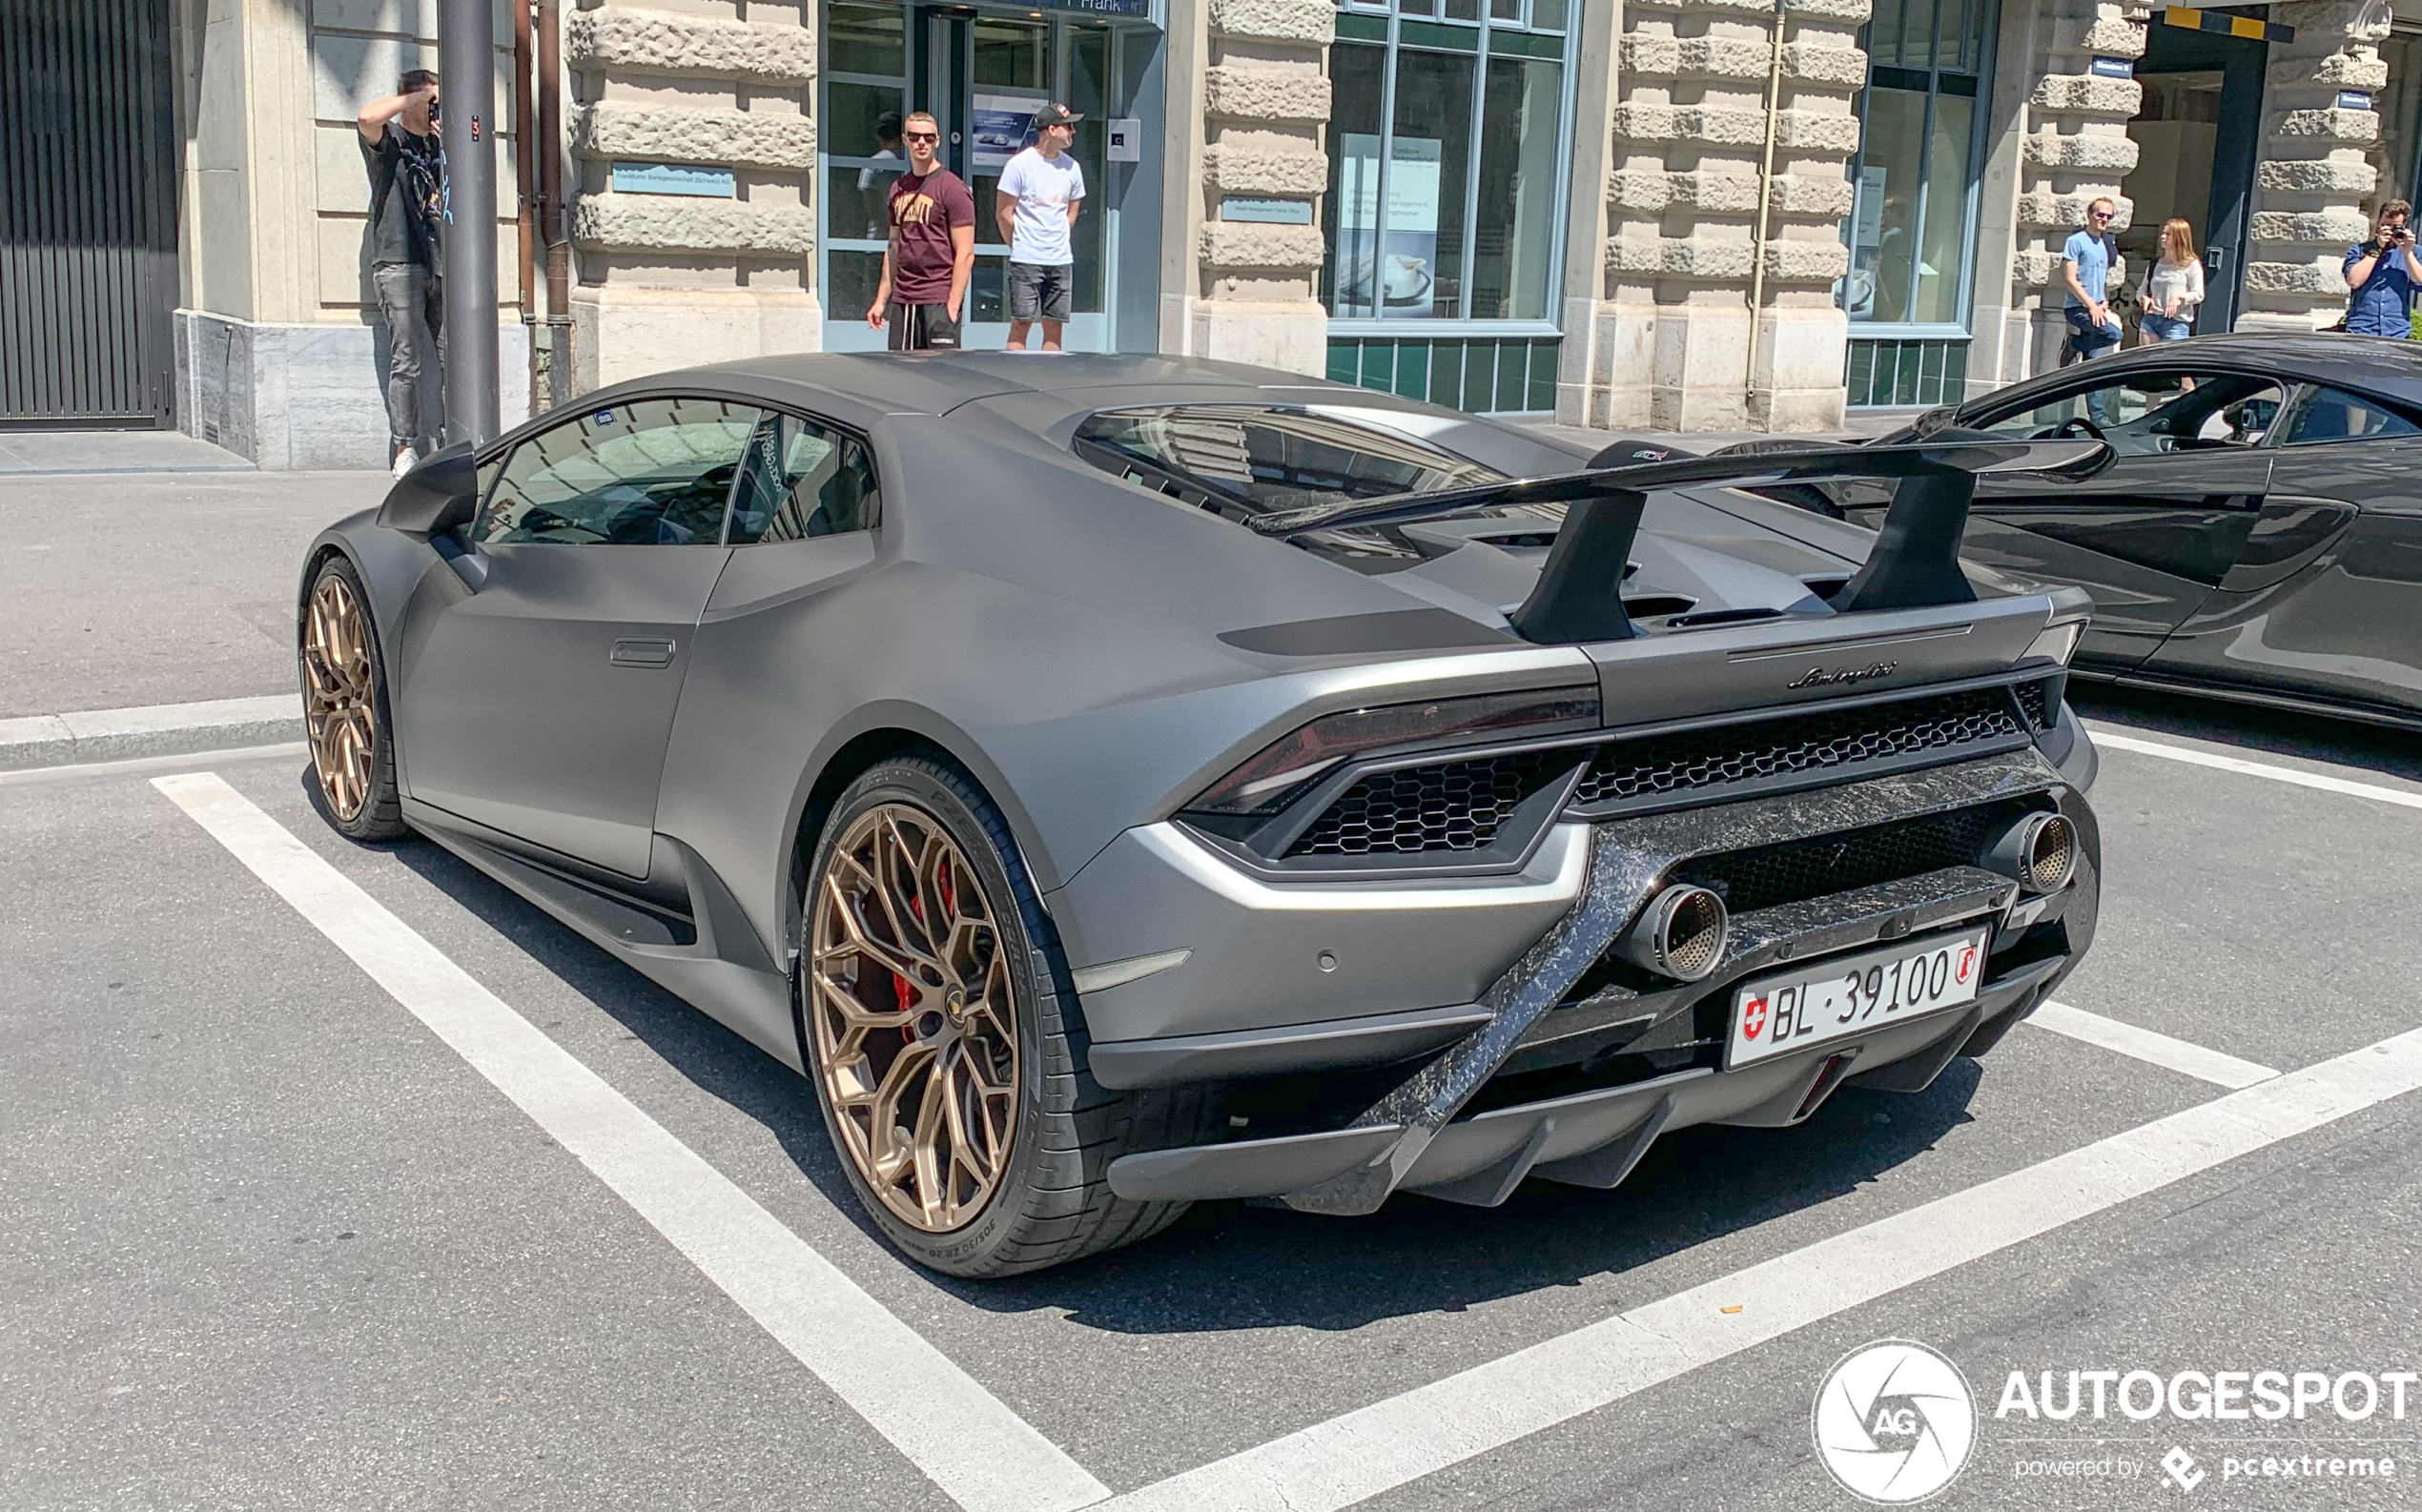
(1230, 1265)
(2348, 742)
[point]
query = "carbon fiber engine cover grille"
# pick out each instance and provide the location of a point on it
(1454, 806)
(1797, 742)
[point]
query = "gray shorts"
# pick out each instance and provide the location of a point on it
(1038, 291)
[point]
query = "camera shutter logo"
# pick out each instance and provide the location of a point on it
(1894, 1421)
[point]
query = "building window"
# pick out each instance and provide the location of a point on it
(1922, 119)
(1444, 216)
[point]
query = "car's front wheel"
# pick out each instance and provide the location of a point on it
(933, 1027)
(344, 690)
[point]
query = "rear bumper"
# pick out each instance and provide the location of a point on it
(1592, 1138)
(1557, 1069)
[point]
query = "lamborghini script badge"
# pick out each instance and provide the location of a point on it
(1818, 677)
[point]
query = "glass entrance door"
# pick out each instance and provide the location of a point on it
(983, 76)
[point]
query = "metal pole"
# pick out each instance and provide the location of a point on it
(1765, 200)
(525, 199)
(466, 57)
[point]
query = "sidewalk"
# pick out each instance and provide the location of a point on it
(134, 590)
(51, 453)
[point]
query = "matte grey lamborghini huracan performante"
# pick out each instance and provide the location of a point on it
(1122, 782)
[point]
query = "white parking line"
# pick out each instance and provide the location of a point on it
(2146, 1045)
(1348, 1458)
(2113, 740)
(979, 1451)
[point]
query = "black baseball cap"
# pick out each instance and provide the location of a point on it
(1055, 114)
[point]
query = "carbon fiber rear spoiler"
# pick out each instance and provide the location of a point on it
(1916, 559)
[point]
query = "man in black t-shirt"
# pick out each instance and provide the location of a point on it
(408, 206)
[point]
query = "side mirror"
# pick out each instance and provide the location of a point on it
(441, 492)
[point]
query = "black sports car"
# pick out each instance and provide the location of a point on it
(2258, 534)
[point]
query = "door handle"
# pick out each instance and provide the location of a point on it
(644, 652)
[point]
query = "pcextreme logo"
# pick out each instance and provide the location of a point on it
(1894, 1421)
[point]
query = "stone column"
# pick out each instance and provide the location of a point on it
(2314, 176)
(671, 280)
(1266, 100)
(1672, 345)
(2074, 150)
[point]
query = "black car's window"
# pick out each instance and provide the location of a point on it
(802, 479)
(2334, 414)
(1260, 458)
(2147, 413)
(643, 473)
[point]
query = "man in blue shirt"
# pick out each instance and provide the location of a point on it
(2085, 266)
(2383, 274)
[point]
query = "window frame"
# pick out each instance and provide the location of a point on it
(2310, 390)
(590, 405)
(494, 465)
(849, 435)
(1984, 21)
(1483, 33)
(2291, 392)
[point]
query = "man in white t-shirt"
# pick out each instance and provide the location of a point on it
(1036, 206)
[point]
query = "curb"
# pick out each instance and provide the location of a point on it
(163, 730)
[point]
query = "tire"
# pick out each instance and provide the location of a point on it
(345, 690)
(1048, 1198)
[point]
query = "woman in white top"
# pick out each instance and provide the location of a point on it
(2173, 287)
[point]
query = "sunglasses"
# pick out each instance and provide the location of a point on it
(2100, 214)
(924, 136)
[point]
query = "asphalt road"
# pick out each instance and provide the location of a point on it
(267, 1242)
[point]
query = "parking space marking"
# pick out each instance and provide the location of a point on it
(2112, 740)
(2143, 1044)
(139, 765)
(1388, 1443)
(980, 1452)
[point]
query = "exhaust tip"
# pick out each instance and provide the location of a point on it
(1679, 935)
(2040, 851)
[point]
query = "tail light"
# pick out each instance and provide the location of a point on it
(1264, 784)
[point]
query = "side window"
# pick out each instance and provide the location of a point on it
(2155, 412)
(645, 473)
(803, 479)
(2333, 415)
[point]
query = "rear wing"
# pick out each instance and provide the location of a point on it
(1579, 597)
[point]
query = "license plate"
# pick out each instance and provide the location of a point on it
(1834, 999)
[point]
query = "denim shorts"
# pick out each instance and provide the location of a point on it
(2165, 327)
(1038, 289)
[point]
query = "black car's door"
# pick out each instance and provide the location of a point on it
(539, 702)
(2155, 532)
(2325, 599)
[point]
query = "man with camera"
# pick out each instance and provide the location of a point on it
(2384, 276)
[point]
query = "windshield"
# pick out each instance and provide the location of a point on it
(1260, 458)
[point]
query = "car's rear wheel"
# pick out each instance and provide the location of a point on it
(932, 997)
(344, 690)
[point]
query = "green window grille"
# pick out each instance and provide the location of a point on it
(1895, 374)
(1499, 376)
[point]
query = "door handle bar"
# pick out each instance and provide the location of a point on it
(642, 653)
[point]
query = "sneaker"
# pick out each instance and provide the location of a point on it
(405, 457)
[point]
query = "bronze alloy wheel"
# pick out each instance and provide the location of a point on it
(339, 695)
(915, 1019)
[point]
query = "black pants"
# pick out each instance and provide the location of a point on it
(920, 328)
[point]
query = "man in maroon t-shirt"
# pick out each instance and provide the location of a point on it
(932, 252)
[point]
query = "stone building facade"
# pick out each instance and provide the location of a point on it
(1662, 214)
